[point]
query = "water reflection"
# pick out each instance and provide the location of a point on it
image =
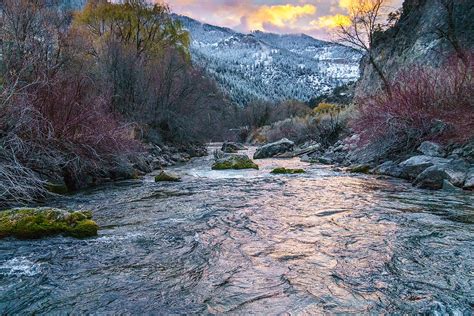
(250, 242)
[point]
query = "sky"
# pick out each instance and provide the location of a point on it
(312, 17)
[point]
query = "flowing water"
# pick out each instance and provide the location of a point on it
(247, 242)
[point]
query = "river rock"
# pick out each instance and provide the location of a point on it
(413, 166)
(34, 223)
(469, 183)
(305, 149)
(233, 161)
(273, 149)
(282, 170)
(229, 147)
(467, 152)
(167, 177)
(433, 177)
(431, 149)
(448, 186)
(388, 168)
(360, 168)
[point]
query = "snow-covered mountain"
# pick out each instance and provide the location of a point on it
(269, 66)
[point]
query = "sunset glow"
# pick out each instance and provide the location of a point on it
(315, 17)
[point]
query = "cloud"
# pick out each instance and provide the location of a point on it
(313, 17)
(331, 21)
(276, 15)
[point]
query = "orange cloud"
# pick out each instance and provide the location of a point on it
(337, 20)
(331, 21)
(278, 15)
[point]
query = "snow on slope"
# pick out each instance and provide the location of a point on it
(269, 66)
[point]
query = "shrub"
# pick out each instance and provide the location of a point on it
(426, 104)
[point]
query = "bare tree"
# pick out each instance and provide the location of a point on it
(366, 19)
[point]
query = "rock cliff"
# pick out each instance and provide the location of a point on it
(417, 38)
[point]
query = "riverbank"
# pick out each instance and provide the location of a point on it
(431, 166)
(54, 180)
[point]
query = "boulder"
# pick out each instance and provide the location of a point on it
(301, 151)
(167, 177)
(433, 177)
(229, 147)
(413, 166)
(273, 149)
(233, 161)
(431, 149)
(325, 160)
(468, 152)
(309, 158)
(360, 169)
(34, 223)
(388, 168)
(448, 186)
(282, 170)
(469, 183)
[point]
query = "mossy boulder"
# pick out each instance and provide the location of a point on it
(360, 169)
(167, 177)
(237, 162)
(35, 223)
(282, 170)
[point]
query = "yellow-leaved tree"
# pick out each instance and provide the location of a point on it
(137, 24)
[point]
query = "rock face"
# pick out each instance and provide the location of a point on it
(273, 149)
(416, 39)
(34, 223)
(233, 161)
(431, 149)
(228, 147)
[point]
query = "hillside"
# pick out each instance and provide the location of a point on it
(269, 66)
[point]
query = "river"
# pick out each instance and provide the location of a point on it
(247, 242)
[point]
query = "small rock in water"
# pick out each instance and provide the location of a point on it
(167, 177)
(448, 186)
(360, 169)
(282, 170)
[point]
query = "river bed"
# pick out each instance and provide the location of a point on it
(248, 242)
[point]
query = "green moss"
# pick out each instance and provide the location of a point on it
(84, 229)
(57, 188)
(282, 170)
(236, 163)
(164, 177)
(360, 169)
(43, 222)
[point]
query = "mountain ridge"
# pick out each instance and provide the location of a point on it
(268, 66)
